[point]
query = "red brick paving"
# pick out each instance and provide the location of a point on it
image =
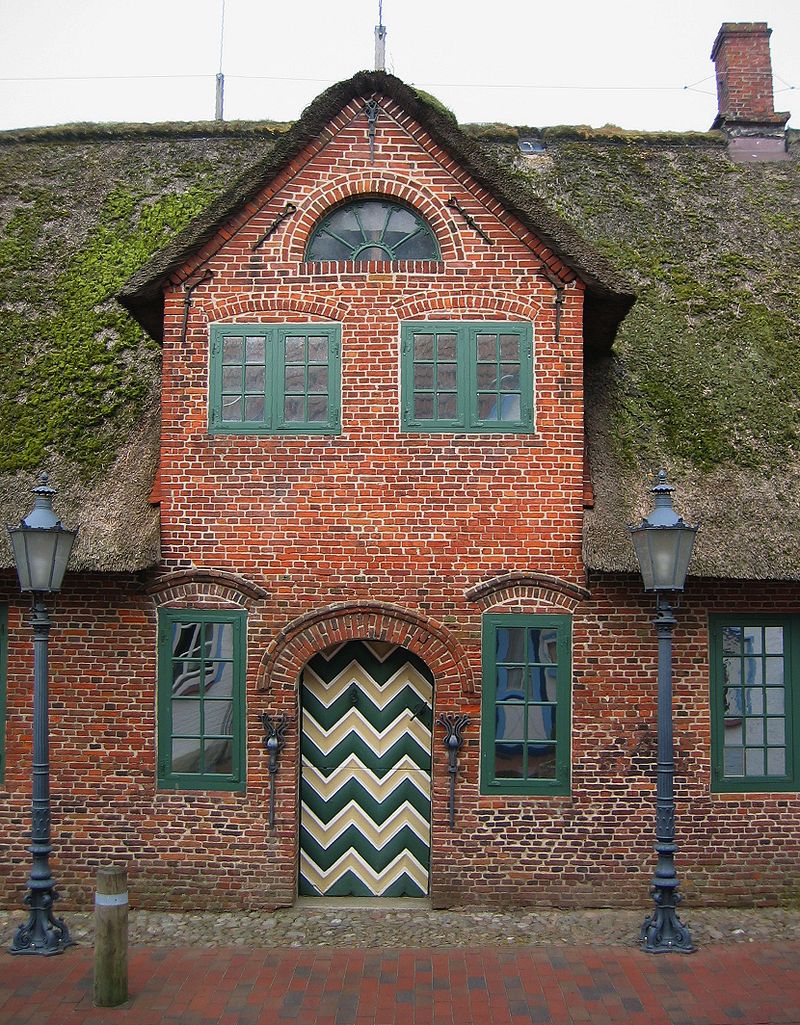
(731, 985)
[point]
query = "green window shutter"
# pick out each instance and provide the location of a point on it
(201, 699)
(467, 376)
(3, 671)
(275, 379)
(525, 704)
(755, 699)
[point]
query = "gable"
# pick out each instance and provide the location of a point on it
(332, 116)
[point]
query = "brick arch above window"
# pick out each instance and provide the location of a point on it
(287, 654)
(378, 184)
(248, 307)
(528, 588)
(467, 305)
(205, 588)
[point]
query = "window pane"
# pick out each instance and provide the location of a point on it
(294, 408)
(752, 640)
(510, 722)
(774, 672)
(423, 347)
(448, 408)
(775, 701)
(509, 377)
(508, 761)
(186, 754)
(254, 408)
(754, 731)
(487, 375)
(487, 407)
(543, 645)
(510, 683)
(754, 762)
(232, 378)
(372, 253)
(218, 718)
(776, 761)
(754, 701)
(318, 409)
(232, 408)
(510, 408)
(232, 349)
(541, 761)
(255, 349)
(487, 347)
(776, 731)
(186, 716)
(541, 723)
(423, 407)
(509, 347)
(294, 379)
(218, 640)
(732, 640)
(446, 347)
(753, 671)
(423, 375)
(326, 247)
(218, 756)
(733, 733)
(295, 349)
(318, 379)
(446, 376)
(733, 761)
(218, 683)
(398, 232)
(255, 379)
(187, 639)
(317, 349)
(732, 667)
(773, 636)
(542, 684)
(510, 644)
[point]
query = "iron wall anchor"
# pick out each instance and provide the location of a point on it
(274, 741)
(454, 726)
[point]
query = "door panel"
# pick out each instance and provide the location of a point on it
(365, 780)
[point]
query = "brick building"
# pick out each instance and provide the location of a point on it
(361, 452)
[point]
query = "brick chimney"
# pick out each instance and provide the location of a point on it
(744, 89)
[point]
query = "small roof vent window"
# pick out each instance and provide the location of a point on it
(372, 229)
(532, 146)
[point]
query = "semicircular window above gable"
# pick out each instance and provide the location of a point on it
(372, 229)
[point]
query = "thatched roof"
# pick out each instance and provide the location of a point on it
(703, 377)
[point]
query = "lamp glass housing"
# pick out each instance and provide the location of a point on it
(663, 543)
(41, 545)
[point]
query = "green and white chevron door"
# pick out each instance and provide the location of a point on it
(365, 782)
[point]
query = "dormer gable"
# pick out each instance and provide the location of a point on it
(366, 104)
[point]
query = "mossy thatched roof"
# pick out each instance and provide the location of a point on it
(703, 377)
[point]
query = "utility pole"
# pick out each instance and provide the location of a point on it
(220, 103)
(380, 40)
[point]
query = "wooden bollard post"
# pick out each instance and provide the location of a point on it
(111, 937)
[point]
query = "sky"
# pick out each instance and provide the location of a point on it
(635, 63)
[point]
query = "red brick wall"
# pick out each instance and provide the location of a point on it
(195, 849)
(744, 71)
(383, 534)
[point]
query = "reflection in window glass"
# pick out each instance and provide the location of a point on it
(372, 229)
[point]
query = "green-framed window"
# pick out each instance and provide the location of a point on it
(201, 697)
(467, 376)
(3, 670)
(275, 379)
(525, 718)
(372, 228)
(755, 702)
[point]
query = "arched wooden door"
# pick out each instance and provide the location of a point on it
(365, 783)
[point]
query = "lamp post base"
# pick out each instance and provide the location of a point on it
(662, 931)
(43, 933)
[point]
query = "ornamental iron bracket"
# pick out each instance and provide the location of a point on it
(454, 725)
(454, 204)
(287, 211)
(274, 740)
(371, 110)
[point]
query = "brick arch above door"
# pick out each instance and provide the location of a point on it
(378, 621)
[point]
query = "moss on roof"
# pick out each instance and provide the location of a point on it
(704, 376)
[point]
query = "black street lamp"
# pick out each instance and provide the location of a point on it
(41, 548)
(663, 543)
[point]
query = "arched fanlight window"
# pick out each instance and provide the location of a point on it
(372, 229)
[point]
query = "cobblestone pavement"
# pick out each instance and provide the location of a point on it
(370, 927)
